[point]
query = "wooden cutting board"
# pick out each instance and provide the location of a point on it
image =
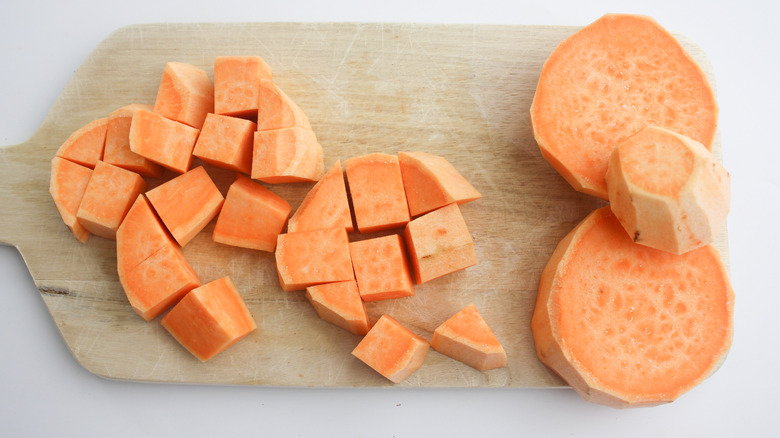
(460, 91)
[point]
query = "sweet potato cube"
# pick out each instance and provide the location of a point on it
(287, 155)
(467, 338)
(340, 304)
(237, 84)
(185, 95)
(430, 182)
(307, 258)
(187, 203)
(209, 319)
(140, 235)
(439, 243)
(117, 150)
(163, 141)
(377, 192)
(226, 142)
(391, 349)
(85, 145)
(276, 110)
(381, 268)
(110, 193)
(325, 206)
(67, 186)
(251, 217)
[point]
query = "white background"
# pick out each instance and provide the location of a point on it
(44, 391)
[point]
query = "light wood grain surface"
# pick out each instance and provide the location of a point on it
(459, 91)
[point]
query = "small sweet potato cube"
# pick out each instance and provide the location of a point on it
(226, 142)
(117, 150)
(391, 349)
(185, 95)
(308, 258)
(110, 193)
(209, 319)
(140, 235)
(340, 304)
(325, 206)
(186, 203)
(381, 268)
(430, 182)
(377, 192)
(161, 140)
(237, 84)
(67, 186)
(276, 110)
(287, 155)
(251, 217)
(467, 338)
(439, 243)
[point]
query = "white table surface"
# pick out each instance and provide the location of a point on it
(45, 392)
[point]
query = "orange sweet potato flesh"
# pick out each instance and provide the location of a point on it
(187, 203)
(209, 319)
(140, 235)
(85, 145)
(608, 81)
(185, 95)
(117, 150)
(392, 350)
(251, 217)
(163, 141)
(276, 110)
(381, 268)
(377, 191)
(439, 243)
(626, 325)
(226, 142)
(109, 195)
(339, 303)
(308, 258)
(430, 182)
(237, 84)
(466, 337)
(67, 185)
(325, 206)
(287, 155)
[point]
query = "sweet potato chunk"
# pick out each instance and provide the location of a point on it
(392, 350)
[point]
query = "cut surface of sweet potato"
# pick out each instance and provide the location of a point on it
(226, 142)
(392, 350)
(466, 337)
(117, 150)
(627, 325)
(430, 182)
(163, 141)
(237, 84)
(276, 110)
(381, 268)
(308, 258)
(377, 192)
(85, 145)
(185, 95)
(325, 206)
(140, 235)
(110, 193)
(340, 304)
(67, 185)
(287, 155)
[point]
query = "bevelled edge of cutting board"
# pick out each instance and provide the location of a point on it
(462, 91)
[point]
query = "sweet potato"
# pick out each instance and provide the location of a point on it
(85, 145)
(308, 258)
(466, 337)
(381, 268)
(430, 182)
(667, 190)
(627, 325)
(237, 84)
(140, 235)
(325, 206)
(209, 319)
(187, 203)
(439, 243)
(226, 142)
(110, 193)
(392, 350)
(67, 185)
(340, 304)
(117, 150)
(163, 141)
(605, 83)
(185, 95)
(377, 192)
(276, 110)
(251, 217)
(287, 155)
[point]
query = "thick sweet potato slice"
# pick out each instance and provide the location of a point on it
(466, 337)
(251, 217)
(627, 325)
(608, 81)
(85, 146)
(430, 182)
(325, 206)
(392, 350)
(308, 258)
(287, 155)
(163, 141)
(226, 142)
(67, 186)
(187, 203)
(237, 84)
(276, 110)
(185, 95)
(381, 268)
(340, 304)
(109, 195)
(209, 319)
(377, 192)
(117, 150)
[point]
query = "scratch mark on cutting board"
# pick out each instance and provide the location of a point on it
(346, 54)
